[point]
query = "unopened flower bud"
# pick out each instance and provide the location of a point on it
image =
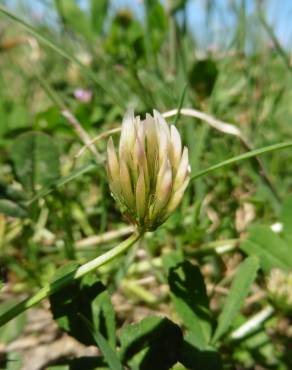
(149, 175)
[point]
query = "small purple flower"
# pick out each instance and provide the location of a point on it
(83, 95)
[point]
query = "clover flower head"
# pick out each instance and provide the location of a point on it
(149, 174)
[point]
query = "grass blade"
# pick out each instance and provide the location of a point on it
(64, 180)
(58, 49)
(109, 354)
(242, 157)
(238, 292)
(181, 101)
(285, 57)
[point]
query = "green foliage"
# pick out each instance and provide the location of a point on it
(108, 352)
(15, 327)
(88, 363)
(195, 357)
(153, 342)
(36, 160)
(286, 218)
(240, 288)
(73, 17)
(124, 27)
(104, 317)
(203, 76)
(55, 206)
(270, 248)
(157, 25)
(50, 187)
(12, 361)
(189, 296)
(12, 209)
(188, 293)
(77, 300)
(98, 12)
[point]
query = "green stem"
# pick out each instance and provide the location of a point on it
(181, 101)
(271, 33)
(67, 279)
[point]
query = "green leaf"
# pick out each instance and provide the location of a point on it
(153, 343)
(269, 247)
(240, 288)
(203, 76)
(77, 299)
(63, 181)
(36, 160)
(9, 192)
(110, 355)
(11, 361)
(18, 117)
(88, 363)
(188, 293)
(14, 328)
(104, 317)
(196, 359)
(98, 11)
(286, 218)
(12, 209)
(75, 18)
(11, 201)
(172, 259)
(158, 24)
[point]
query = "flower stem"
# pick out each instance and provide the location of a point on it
(57, 285)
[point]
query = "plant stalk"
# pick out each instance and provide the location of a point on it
(57, 285)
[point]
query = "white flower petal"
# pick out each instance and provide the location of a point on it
(141, 196)
(183, 169)
(176, 147)
(176, 198)
(112, 160)
(128, 134)
(126, 186)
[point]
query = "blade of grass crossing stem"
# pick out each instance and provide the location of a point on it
(109, 354)
(275, 40)
(242, 157)
(87, 72)
(64, 180)
(239, 290)
(57, 285)
(181, 101)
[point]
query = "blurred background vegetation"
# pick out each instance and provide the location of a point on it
(95, 58)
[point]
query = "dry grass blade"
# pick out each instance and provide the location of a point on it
(106, 237)
(97, 138)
